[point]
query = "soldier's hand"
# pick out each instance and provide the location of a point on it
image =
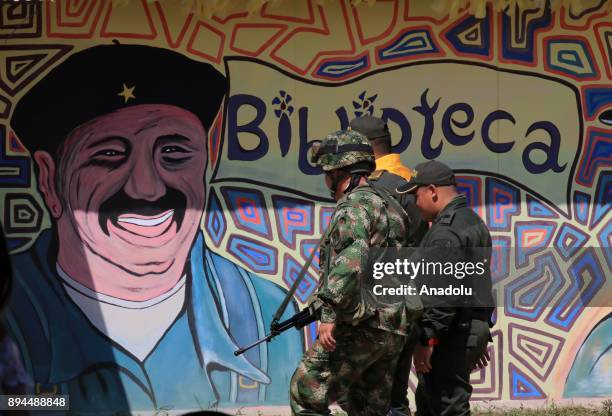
(422, 358)
(326, 336)
(482, 361)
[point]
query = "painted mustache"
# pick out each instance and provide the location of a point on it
(138, 215)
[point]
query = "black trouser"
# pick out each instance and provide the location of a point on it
(446, 389)
(399, 391)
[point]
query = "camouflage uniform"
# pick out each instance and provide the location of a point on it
(367, 341)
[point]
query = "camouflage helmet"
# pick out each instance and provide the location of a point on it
(342, 149)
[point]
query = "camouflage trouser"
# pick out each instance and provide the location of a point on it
(360, 369)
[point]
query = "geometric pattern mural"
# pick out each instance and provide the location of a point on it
(550, 258)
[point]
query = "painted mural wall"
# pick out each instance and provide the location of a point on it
(158, 201)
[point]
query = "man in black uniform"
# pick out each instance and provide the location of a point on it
(453, 334)
(389, 174)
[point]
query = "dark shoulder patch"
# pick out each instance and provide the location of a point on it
(447, 219)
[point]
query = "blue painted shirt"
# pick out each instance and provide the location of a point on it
(192, 367)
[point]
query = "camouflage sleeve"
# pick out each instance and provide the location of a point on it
(349, 239)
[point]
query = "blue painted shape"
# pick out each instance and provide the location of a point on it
(577, 296)
(596, 98)
(603, 198)
(514, 291)
(475, 27)
(342, 68)
(523, 387)
(411, 42)
(524, 54)
(569, 240)
(215, 220)
(260, 257)
(537, 209)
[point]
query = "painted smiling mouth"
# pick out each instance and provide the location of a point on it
(143, 221)
(145, 225)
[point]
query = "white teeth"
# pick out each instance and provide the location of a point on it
(145, 222)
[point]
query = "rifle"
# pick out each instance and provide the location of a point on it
(297, 321)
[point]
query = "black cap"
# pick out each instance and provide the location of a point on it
(428, 173)
(88, 84)
(371, 127)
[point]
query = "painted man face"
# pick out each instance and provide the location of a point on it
(132, 194)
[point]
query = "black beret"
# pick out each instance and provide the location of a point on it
(88, 84)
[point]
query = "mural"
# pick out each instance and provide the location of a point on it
(158, 201)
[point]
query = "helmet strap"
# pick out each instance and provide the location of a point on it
(355, 179)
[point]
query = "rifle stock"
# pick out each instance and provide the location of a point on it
(297, 321)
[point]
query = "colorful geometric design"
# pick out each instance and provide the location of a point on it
(488, 382)
(471, 187)
(174, 33)
(251, 39)
(207, 42)
(537, 209)
(503, 201)
(338, 69)
(14, 170)
(585, 278)
(571, 57)
(535, 349)
(141, 24)
(605, 242)
(569, 240)
(471, 36)
(291, 270)
(21, 64)
(325, 214)
(20, 20)
(306, 247)
(293, 217)
(529, 294)
(248, 210)
(5, 107)
(522, 386)
(500, 258)
(519, 33)
(22, 214)
(582, 202)
(259, 257)
(215, 220)
(596, 98)
(597, 154)
(324, 39)
(531, 237)
(372, 27)
(73, 18)
(604, 40)
(603, 199)
(410, 43)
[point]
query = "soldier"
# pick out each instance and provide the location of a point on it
(453, 339)
(357, 347)
(389, 174)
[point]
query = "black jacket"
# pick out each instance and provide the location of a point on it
(458, 229)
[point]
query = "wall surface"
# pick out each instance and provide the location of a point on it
(125, 305)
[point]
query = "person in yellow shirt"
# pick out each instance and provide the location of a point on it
(389, 174)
